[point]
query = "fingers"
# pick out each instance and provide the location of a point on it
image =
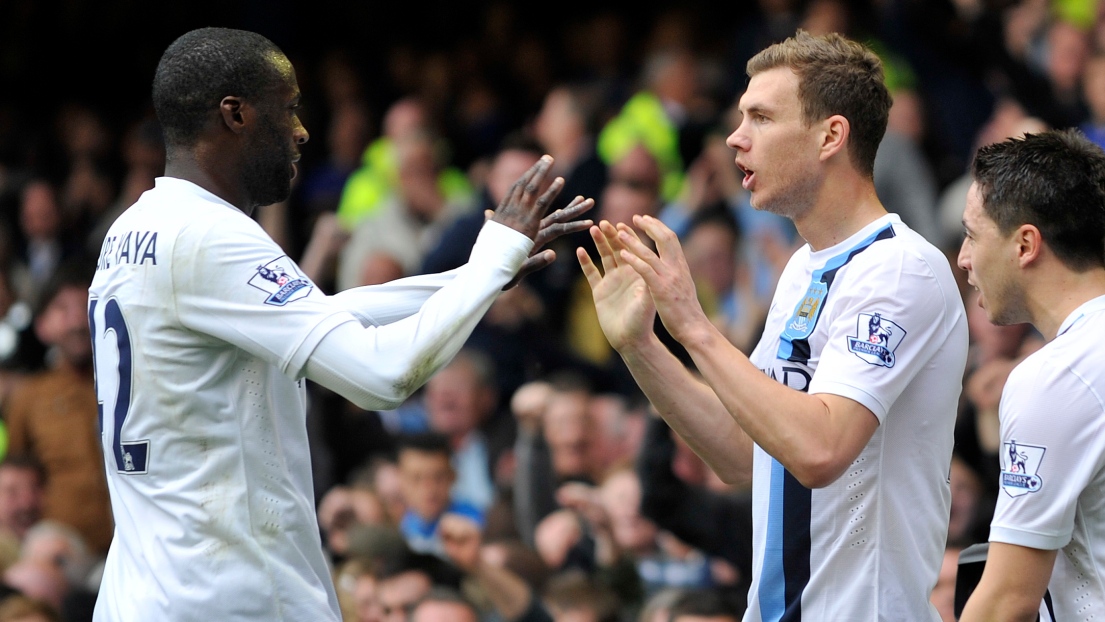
(635, 247)
(526, 182)
(667, 243)
(603, 235)
(531, 180)
(546, 199)
(578, 206)
(540, 261)
(594, 278)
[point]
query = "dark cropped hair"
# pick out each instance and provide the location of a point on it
(426, 442)
(201, 68)
(835, 76)
(1055, 181)
(707, 603)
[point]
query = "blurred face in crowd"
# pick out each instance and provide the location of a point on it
(621, 496)
(39, 214)
(397, 595)
(507, 168)
(1093, 87)
(776, 149)
(63, 323)
(568, 430)
(711, 255)
(456, 399)
(425, 478)
(558, 118)
(633, 188)
(443, 611)
(20, 499)
(365, 600)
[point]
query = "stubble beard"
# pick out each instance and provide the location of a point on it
(266, 173)
(796, 200)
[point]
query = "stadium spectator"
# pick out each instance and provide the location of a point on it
(54, 416)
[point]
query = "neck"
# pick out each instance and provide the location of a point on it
(1052, 299)
(845, 204)
(195, 165)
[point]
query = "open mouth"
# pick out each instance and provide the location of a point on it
(749, 176)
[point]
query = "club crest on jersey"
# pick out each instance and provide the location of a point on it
(281, 280)
(801, 324)
(1020, 464)
(876, 339)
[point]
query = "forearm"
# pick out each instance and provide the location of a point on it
(1012, 586)
(989, 605)
(692, 409)
(813, 441)
(380, 366)
(376, 305)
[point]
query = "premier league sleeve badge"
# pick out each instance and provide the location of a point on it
(282, 281)
(876, 339)
(1020, 464)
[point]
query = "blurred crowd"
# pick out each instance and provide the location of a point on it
(529, 479)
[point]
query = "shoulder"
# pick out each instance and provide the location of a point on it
(1052, 375)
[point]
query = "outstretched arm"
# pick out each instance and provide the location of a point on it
(380, 366)
(626, 313)
(376, 305)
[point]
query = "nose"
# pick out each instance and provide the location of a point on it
(300, 133)
(964, 259)
(738, 139)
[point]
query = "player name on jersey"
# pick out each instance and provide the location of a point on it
(132, 247)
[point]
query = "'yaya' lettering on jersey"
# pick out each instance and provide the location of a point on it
(132, 247)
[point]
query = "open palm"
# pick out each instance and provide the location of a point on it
(625, 308)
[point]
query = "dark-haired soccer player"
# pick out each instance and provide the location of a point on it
(1035, 250)
(204, 331)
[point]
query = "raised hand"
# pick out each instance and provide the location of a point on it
(625, 308)
(666, 274)
(523, 209)
(561, 222)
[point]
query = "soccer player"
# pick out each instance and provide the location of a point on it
(204, 332)
(1035, 250)
(843, 414)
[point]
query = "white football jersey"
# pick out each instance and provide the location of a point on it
(202, 330)
(1053, 462)
(878, 319)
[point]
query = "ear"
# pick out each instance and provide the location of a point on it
(1029, 243)
(835, 132)
(231, 110)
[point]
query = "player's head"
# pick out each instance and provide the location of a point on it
(810, 101)
(426, 473)
(836, 76)
(1048, 188)
(212, 81)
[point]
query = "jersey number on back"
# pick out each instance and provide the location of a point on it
(132, 457)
